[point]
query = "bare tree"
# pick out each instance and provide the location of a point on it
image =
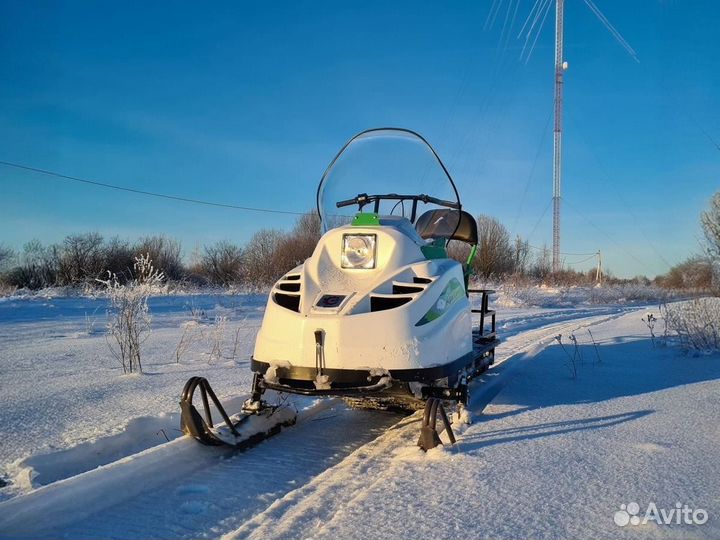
(696, 273)
(81, 258)
(297, 245)
(222, 263)
(7, 258)
(261, 255)
(495, 254)
(460, 251)
(38, 266)
(119, 258)
(711, 225)
(710, 220)
(541, 269)
(521, 256)
(165, 253)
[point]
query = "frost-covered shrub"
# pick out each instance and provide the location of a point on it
(129, 316)
(165, 253)
(216, 337)
(696, 323)
(627, 293)
(513, 294)
(191, 331)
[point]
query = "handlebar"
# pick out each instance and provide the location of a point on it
(363, 198)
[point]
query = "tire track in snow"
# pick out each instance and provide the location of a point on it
(311, 509)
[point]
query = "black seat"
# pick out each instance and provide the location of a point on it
(443, 223)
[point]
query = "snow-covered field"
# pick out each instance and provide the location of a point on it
(86, 453)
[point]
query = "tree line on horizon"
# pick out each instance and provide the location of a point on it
(83, 259)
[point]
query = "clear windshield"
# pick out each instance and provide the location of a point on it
(390, 171)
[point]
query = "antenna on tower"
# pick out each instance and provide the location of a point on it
(560, 67)
(533, 24)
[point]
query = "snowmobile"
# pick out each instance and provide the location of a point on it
(379, 314)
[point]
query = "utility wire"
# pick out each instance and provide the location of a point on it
(564, 253)
(581, 261)
(143, 192)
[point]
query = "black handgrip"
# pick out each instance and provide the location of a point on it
(348, 202)
(441, 202)
(361, 199)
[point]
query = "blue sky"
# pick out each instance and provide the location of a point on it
(246, 103)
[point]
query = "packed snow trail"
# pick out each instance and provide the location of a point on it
(552, 457)
(182, 490)
(118, 425)
(312, 507)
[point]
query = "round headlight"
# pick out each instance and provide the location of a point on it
(358, 251)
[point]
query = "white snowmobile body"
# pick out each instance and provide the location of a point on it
(379, 313)
(379, 308)
(372, 319)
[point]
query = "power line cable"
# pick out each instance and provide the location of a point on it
(564, 253)
(580, 261)
(143, 192)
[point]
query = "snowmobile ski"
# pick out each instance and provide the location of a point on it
(255, 423)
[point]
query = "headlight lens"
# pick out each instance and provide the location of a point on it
(358, 251)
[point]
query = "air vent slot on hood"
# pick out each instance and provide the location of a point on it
(291, 287)
(286, 292)
(418, 279)
(406, 288)
(288, 301)
(381, 303)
